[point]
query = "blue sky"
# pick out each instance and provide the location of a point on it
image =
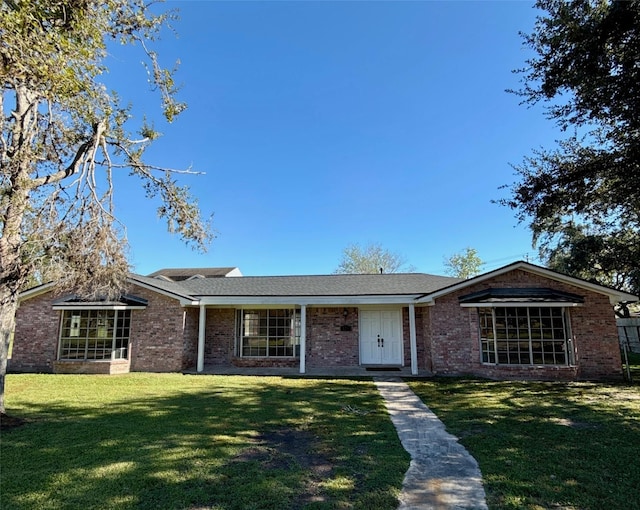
(322, 124)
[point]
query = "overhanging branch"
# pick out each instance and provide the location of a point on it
(85, 155)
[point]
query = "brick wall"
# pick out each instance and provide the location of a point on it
(190, 337)
(35, 340)
(219, 336)
(423, 326)
(119, 366)
(455, 346)
(163, 337)
(327, 344)
(596, 339)
(159, 334)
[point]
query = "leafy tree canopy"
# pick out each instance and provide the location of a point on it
(586, 71)
(63, 137)
(465, 264)
(611, 260)
(371, 259)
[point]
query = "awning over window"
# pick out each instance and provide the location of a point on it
(521, 297)
(126, 301)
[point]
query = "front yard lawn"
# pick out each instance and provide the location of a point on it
(168, 441)
(564, 446)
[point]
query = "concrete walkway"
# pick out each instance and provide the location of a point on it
(442, 474)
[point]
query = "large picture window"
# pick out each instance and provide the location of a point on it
(89, 335)
(524, 336)
(268, 333)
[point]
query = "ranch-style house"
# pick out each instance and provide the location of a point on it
(521, 321)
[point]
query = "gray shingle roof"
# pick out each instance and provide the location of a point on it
(183, 273)
(174, 288)
(329, 285)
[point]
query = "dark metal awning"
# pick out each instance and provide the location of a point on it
(520, 297)
(74, 302)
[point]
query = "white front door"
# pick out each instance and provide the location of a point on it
(380, 337)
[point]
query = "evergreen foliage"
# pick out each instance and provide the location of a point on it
(582, 198)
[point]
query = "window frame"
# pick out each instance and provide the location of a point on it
(93, 321)
(506, 342)
(268, 326)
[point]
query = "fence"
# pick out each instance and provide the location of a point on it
(629, 333)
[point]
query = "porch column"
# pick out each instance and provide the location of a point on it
(303, 337)
(202, 319)
(412, 339)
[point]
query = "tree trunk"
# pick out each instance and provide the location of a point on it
(11, 276)
(7, 322)
(12, 270)
(10, 280)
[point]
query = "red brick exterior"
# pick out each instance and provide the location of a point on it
(35, 338)
(164, 337)
(162, 334)
(327, 343)
(455, 343)
(219, 336)
(190, 338)
(119, 366)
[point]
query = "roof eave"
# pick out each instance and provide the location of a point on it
(403, 299)
(36, 291)
(184, 299)
(615, 296)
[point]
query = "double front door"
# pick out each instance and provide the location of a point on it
(380, 337)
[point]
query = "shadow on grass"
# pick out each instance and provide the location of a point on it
(546, 445)
(214, 445)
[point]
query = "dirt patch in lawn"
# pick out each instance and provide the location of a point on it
(290, 449)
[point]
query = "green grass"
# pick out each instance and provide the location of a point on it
(152, 441)
(215, 442)
(634, 366)
(546, 445)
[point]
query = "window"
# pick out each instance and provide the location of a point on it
(524, 336)
(88, 335)
(268, 333)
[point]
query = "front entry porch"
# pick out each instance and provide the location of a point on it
(326, 339)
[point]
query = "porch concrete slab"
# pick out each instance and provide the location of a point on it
(442, 475)
(347, 371)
